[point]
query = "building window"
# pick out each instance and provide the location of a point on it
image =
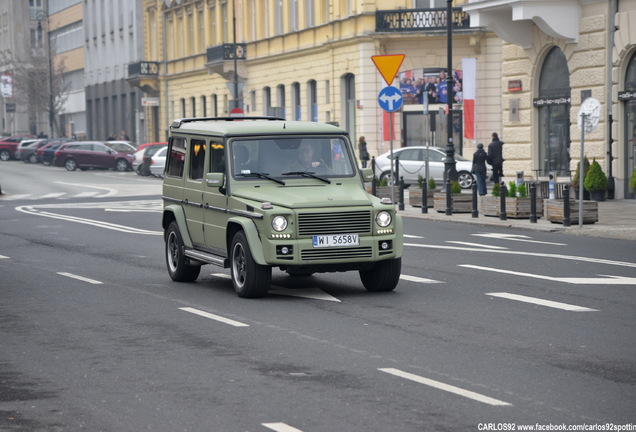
(193, 104)
(204, 108)
(312, 100)
(296, 100)
(309, 13)
(554, 118)
(267, 100)
(280, 92)
(278, 17)
(630, 126)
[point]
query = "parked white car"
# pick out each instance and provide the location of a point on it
(158, 162)
(413, 164)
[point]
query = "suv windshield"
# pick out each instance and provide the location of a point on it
(288, 157)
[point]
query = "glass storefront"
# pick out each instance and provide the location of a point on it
(630, 125)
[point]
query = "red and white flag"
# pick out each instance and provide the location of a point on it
(469, 66)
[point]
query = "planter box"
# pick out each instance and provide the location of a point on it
(516, 208)
(554, 211)
(460, 203)
(415, 197)
(385, 192)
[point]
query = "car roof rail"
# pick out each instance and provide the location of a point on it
(178, 122)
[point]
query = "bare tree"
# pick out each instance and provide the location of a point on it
(38, 85)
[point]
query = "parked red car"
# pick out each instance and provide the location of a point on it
(91, 154)
(143, 146)
(8, 146)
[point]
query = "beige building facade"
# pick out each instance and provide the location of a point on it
(535, 62)
(558, 54)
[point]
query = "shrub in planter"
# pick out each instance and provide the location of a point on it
(431, 184)
(576, 179)
(596, 181)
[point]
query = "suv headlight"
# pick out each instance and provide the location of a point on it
(383, 219)
(279, 223)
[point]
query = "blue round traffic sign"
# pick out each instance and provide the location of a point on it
(390, 99)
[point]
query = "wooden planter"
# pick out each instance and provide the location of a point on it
(554, 211)
(415, 196)
(516, 208)
(460, 203)
(385, 192)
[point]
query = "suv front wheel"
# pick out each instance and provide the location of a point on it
(383, 276)
(250, 280)
(178, 267)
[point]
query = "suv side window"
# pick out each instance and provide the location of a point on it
(176, 160)
(217, 157)
(197, 159)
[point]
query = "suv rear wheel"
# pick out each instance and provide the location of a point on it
(250, 279)
(178, 267)
(383, 276)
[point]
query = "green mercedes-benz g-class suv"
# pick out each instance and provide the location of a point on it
(252, 193)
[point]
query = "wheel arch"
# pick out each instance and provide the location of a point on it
(251, 234)
(174, 213)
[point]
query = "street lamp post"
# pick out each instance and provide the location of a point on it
(41, 15)
(450, 169)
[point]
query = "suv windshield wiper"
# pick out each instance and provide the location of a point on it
(261, 175)
(307, 174)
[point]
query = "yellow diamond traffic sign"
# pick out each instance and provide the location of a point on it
(388, 65)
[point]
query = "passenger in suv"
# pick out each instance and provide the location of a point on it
(240, 193)
(91, 154)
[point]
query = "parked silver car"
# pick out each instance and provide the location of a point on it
(413, 164)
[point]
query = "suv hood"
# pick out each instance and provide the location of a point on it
(299, 196)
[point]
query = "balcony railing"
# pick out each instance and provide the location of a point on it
(146, 68)
(408, 20)
(226, 52)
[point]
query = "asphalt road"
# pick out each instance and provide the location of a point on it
(489, 328)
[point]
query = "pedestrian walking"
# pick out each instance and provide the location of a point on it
(495, 157)
(364, 153)
(479, 168)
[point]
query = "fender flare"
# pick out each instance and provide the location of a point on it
(175, 212)
(252, 235)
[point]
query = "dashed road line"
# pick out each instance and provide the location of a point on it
(82, 278)
(214, 317)
(445, 387)
(419, 279)
(281, 427)
(476, 245)
(542, 302)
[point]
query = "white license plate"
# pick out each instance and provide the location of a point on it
(336, 240)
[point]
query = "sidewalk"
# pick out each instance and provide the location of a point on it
(616, 219)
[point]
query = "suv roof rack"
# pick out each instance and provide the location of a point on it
(178, 122)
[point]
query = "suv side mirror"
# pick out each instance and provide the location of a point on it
(215, 179)
(367, 174)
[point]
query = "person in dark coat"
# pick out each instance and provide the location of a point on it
(495, 157)
(479, 168)
(364, 153)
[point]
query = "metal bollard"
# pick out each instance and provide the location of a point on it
(566, 206)
(503, 192)
(475, 212)
(401, 194)
(533, 202)
(449, 199)
(424, 198)
(373, 185)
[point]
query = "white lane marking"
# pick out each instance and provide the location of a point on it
(53, 195)
(605, 280)
(82, 278)
(419, 279)
(100, 224)
(476, 245)
(281, 427)
(516, 237)
(16, 197)
(85, 194)
(214, 317)
(541, 302)
(310, 293)
(534, 254)
(446, 387)
(411, 236)
(109, 191)
(3, 257)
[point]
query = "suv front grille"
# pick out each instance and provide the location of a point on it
(334, 223)
(336, 253)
